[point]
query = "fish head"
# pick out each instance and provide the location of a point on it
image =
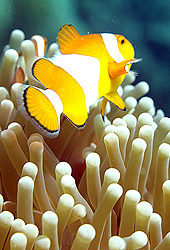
(125, 47)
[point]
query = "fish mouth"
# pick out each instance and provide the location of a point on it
(134, 60)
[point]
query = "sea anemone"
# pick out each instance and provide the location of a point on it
(105, 187)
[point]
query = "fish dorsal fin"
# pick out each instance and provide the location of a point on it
(66, 36)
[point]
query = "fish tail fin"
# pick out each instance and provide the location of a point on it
(41, 107)
(66, 36)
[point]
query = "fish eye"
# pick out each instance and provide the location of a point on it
(122, 41)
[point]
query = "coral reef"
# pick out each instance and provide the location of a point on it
(105, 187)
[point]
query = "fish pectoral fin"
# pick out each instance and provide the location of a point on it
(103, 107)
(37, 106)
(123, 67)
(115, 98)
(66, 36)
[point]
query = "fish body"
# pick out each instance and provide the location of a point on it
(106, 48)
(84, 69)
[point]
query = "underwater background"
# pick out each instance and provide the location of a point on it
(145, 23)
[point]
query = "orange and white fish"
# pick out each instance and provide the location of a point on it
(84, 69)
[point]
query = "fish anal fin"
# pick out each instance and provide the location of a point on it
(76, 112)
(115, 98)
(66, 36)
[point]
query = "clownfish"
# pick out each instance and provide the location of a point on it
(84, 69)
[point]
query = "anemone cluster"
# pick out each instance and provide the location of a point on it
(105, 187)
